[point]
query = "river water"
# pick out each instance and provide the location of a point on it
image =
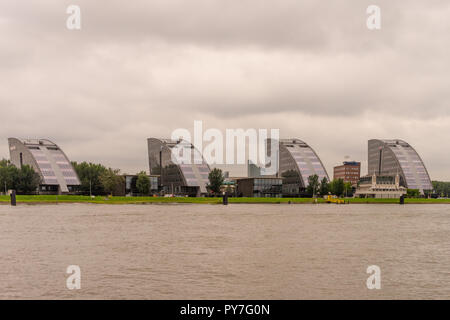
(239, 251)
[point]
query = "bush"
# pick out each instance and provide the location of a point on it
(143, 183)
(215, 180)
(24, 180)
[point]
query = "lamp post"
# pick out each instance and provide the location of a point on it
(160, 170)
(7, 165)
(314, 190)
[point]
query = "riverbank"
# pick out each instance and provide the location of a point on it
(46, 199)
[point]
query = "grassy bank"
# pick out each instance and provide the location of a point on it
(143, 200)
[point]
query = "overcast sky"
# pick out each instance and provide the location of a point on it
(139, 69)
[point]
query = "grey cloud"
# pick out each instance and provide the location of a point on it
(144, 68)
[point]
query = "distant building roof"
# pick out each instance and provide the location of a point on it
(352, 163)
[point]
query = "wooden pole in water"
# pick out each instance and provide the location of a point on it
(13, 198)
(225, 199)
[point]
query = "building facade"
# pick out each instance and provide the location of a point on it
(376, 186)
(253, 171)
(130, 189)
(349, 171)
(297, 162)
(259, 187)
(181, 167)
(229, 186)
(392, 157)
(54, 168)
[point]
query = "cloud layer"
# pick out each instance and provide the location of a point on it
(145, 68)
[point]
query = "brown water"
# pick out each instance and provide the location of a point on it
(224, 252)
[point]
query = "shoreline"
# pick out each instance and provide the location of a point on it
(41, 199)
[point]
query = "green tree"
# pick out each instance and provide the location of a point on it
(24, 180)
(412, 193)
(337, 187)
(313, 185)
(143, 183)
(27, 180)
(441, 188)
(216, 179)
(111, 180)
(4, 163)
(8, 175)
(89, 174)
(348, 188)
(324, 187)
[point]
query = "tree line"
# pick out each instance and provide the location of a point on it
(96, 179)
(442, 188)
(24, 180)
(336, 187)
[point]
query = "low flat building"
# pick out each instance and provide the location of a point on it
(376, 186)
(228, 187)
(349, 171)
(259, 187)
(130, 188)
(48, 160)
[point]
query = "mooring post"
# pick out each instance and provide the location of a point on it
(13, 197)
(225, 198)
